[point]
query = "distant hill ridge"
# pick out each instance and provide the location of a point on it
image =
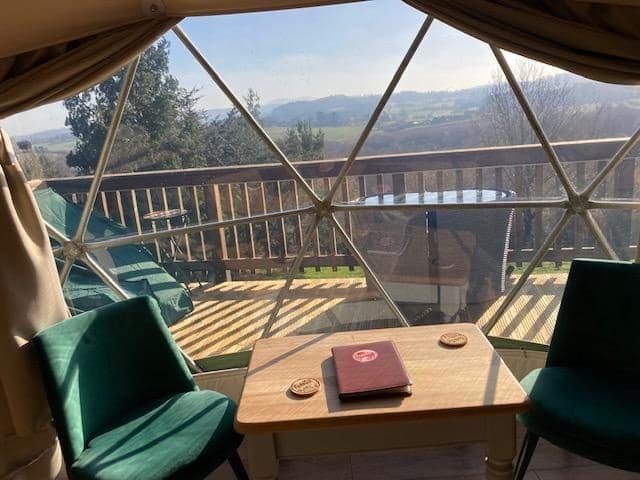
(56, 135)
(405, 107)
(337, 110)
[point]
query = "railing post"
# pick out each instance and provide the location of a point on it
(215, 239)
(538, 230)
(398, 184)
(618, 228)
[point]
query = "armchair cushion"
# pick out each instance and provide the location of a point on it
(597, 323)
(180, 436)
(586, 412)
(103, 364)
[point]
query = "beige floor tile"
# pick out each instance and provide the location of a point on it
(586, 472)
(459, 461)
(549, 456)
(334, 467)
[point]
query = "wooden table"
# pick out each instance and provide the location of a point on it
(459, 395)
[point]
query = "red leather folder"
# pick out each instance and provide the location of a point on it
(370, 369)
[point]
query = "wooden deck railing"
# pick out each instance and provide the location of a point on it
(218, 193)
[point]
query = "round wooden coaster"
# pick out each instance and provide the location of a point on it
(305, 387)
(453, 339)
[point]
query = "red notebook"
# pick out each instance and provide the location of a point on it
(370, 369)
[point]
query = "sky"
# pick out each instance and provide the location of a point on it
(350, 49)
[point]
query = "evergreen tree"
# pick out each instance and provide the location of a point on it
(160, 128)
(302, 143)
(232, 141)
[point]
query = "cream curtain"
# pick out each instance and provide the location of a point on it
(53, 73)
(598, 41)
(50, 53)
(30, 299)
(29, 25)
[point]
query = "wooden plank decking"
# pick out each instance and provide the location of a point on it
(532, 314)
(230, 316)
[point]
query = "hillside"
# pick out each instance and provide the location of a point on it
(55, 139)
(414, 121)
(340, 110)
(430, 107)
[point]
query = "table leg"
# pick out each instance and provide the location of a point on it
(501, 447)
(263, 462)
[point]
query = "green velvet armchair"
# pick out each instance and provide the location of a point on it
(124, 403)
(587, 398)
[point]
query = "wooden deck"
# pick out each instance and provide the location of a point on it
(532, 314)
(230, 316)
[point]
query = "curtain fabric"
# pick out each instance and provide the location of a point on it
(50, 74)
(30, 25)
(598, 41)
(30, 300)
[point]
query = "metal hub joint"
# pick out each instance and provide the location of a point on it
(579, 204)
(73, 249)
(324, 209)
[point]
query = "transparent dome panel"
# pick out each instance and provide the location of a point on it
(622, 181)
(588, 121)
(84, 290)
(314, 97)
(228, 316)
(620, 229)
(41, 141)
(460, 265)
(451, 96)
(571, 107)
(418, 181)
(437, 265)
(236, 290)
(329, 292)
(173, 168)
(531, 314)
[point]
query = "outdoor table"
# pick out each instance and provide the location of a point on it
(179, 218)
(433, 256)
(173, 218)
(459, 395)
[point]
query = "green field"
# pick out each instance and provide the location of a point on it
(331, 134)
(62, 147)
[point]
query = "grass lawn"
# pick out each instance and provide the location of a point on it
(63, 147)
(344, 272)
(311, 273)
(546, 267)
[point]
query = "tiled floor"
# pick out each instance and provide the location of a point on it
(463, 462)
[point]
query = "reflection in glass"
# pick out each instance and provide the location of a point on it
(435, 263)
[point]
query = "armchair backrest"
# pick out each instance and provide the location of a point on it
(102, 364)
(598, 325)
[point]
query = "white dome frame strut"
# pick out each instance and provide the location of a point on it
(575, 203)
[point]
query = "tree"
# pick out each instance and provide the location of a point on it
(232, 141)
(301, 143)
(503, 122)
(38, 165)
(550, 97)
(24, 145)
(160, 127)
